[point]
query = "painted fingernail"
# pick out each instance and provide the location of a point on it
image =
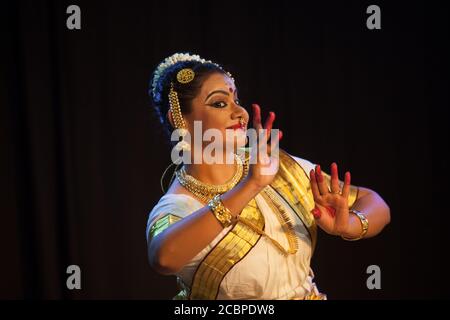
(319, 174)
(334, 166)
(316, 213)
(269, 121)
(331, 211)
(347, 177)
(318, 178)
(312, 175)
(280, 134)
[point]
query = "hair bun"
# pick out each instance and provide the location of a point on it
(169, 62)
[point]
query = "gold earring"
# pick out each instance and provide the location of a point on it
(178, 120)
(175, 109)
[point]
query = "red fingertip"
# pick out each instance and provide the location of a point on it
(280, 134)
(269, 122)
(319, 174)
(316, 213)
(347, 177)
(312, 175)
(319, 177)
(334, 168)
(257, 112)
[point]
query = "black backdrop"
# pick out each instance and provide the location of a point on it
(82, 154)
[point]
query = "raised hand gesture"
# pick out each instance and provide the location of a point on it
(331, 211)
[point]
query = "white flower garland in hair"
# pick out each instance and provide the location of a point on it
(170, 61)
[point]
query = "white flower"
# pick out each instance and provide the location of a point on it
(170, 61)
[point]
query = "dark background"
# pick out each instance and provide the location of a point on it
(82, 153)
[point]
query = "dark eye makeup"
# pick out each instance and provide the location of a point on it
(223, 104)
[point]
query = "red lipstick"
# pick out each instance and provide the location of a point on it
(237, 126)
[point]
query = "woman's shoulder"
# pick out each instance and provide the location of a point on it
(176, 203)
(178, 193)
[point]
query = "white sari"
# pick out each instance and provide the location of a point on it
(264, 273)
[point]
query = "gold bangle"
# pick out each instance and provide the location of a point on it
(222, 213)
(364, 225)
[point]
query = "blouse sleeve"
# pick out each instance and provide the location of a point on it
(308, 166)
(170, 209)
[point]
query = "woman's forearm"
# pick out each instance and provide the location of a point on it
(376, 211)
(177, 245)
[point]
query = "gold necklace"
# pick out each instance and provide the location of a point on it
(205, 191)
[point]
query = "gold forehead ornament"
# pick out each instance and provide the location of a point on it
(185, 75)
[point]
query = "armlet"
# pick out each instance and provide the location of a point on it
(162, 224)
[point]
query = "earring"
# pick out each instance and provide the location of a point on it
(178, 120)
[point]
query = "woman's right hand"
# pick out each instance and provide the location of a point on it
(262, 171)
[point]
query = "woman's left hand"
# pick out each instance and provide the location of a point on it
(331, 211)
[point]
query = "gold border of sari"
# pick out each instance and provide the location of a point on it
(292, 183)
(230, 250)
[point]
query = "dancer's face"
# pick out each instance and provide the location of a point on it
(217, 106)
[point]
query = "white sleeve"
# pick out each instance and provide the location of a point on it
(175, 204)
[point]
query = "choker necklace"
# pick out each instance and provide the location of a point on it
(206, 191)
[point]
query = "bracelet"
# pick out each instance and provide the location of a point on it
(222, 213)
(364, 225)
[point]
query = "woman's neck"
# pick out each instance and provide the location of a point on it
(216, 173)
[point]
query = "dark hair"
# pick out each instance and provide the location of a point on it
(186, 92)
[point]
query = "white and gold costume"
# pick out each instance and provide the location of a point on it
(240, 263)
